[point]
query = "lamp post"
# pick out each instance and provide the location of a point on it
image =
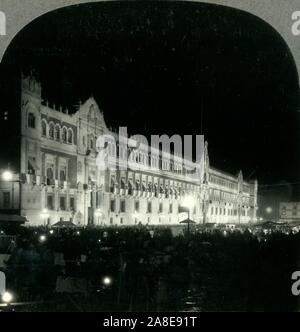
(45, 215)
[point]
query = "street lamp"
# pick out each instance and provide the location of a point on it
(269, 210)
(7, 176)
(44, 215)
(7, 297)
(107, 281)
(42, 238)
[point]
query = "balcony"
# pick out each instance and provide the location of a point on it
(50, 182)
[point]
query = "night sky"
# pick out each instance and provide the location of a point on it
(159, 68)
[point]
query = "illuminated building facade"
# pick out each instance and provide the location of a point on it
(60, 180)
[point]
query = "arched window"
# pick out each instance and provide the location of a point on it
(70, 136)
(130, 188)
(155, 190)
(31, 120)
(51, 130)
(112, 185)
(64, 135)
(50, 173)
(44, 128)
(137, 185)
(57, 132)
(123, 184)
(161, 189)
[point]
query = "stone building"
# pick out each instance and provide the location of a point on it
(289, 212)
(59, 178)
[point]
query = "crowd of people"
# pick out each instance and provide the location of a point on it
(153, 268)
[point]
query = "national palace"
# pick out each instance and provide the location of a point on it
(59, 179)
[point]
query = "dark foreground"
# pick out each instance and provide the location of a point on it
(135, 269)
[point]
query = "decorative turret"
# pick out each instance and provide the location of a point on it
(31, 85)
(240, 182)
(206, 163)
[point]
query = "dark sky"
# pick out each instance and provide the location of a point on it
(156, 67)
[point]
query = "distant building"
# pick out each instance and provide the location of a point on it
(289, 212)
(59, 178)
